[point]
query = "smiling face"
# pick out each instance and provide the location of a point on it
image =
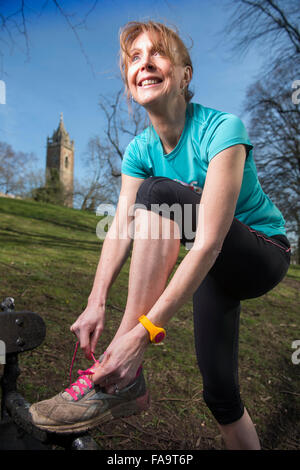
(152, 78)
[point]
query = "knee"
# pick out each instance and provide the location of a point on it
(154, 190)
(226, 409)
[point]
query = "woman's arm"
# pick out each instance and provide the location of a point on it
(116, 246)
(216, 212)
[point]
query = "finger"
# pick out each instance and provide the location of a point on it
(94, 338)
(104, 377)
(103, 380)
(84, 338)
(75, 330)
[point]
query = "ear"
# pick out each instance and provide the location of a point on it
(188, 73)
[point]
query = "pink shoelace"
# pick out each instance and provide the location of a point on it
(83, 382)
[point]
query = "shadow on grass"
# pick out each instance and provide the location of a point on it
(56, 215)
(20, 238)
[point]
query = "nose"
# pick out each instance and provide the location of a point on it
(147, 64)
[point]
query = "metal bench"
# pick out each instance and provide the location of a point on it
(19, 332)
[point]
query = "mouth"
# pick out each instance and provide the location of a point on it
(149, 82)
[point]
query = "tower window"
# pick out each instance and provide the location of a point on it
(66, 162)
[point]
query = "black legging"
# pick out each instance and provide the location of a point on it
(249, 265)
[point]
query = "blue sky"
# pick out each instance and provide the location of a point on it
(56, 76)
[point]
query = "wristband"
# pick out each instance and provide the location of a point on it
(156, 333)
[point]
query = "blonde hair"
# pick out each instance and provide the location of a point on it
(164, 39)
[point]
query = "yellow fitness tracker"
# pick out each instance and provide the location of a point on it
(156, 333)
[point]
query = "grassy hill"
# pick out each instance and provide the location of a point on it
(48, 258)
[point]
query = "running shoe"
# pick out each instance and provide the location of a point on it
(85, 405)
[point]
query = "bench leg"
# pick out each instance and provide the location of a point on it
(9, 380)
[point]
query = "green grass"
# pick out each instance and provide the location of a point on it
(48, 258)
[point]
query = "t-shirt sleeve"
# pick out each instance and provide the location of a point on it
(228, 131)
(132, 164)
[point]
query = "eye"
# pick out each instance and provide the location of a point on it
(134, 58)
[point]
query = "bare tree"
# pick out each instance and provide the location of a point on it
(15, 167)
(98, 185)
(104, 155)
(19, 176)
(123, 122)
(270, 25)
(275, 134)
(35, 178)
(273, 26)
(15, 23)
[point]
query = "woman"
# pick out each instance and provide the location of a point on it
(191, 174)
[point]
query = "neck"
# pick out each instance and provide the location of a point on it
(169, 125)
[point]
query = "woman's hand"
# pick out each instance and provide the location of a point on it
(122, 359)
(88, 328)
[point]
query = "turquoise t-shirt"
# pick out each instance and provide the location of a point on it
(206, 133)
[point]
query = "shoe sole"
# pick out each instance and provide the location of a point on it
(120, 411)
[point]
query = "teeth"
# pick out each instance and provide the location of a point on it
(149, 82)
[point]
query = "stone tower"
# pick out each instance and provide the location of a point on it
(60, 160)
